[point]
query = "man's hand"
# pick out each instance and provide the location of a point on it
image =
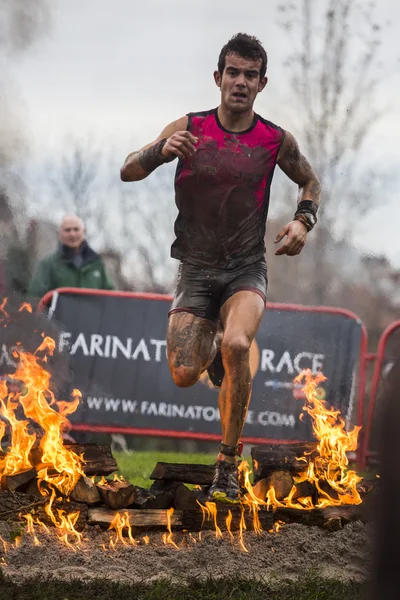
(181, 144)
(296, 233)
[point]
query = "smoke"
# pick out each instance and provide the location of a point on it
(22, 24)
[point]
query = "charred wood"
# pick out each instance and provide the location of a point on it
(321, 517)
(18, 482)
(98, 459)
(281, 457)
(197, 474)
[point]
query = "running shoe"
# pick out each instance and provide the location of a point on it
(225, 486)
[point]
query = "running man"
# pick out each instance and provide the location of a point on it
(226, 160)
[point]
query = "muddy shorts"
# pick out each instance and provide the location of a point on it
(202, 291)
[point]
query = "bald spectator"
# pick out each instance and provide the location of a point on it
(74, 264)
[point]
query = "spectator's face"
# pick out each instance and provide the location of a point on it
(72, 233)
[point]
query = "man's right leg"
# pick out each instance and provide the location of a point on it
(190, 346)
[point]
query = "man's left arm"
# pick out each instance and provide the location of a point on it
(298, 169)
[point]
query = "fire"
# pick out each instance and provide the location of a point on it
(167, 539)
(119, 524)
(28, 400)
(329, 471)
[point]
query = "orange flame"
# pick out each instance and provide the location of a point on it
(25, 306)
(60, 468)
(119, 524)
(329, 471)
(167, 539)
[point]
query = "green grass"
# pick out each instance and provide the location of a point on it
(308, 588)
(137, 466)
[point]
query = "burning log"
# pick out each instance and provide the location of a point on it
(196, 474)
(117, 494)
(98, 459)
(148, 519)
(187, 520)
(281, 481)
(85, 491)
(18, 482)
(305, 489)
(281, 457)
(321, 517)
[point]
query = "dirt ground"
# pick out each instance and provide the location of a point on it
(289, 553)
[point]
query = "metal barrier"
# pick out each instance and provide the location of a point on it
(379, 358)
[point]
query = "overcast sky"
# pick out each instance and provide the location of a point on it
(120, 70)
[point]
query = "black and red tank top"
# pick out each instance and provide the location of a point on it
(222, 192)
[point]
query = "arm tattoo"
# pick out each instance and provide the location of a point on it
(152, 158)
(299, 170)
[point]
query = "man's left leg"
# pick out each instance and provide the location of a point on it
(240, 316)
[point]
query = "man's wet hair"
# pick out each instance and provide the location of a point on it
(246, 46)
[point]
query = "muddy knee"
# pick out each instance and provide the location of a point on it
(235, 348)
(184, 376)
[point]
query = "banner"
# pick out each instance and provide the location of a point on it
(117, 344)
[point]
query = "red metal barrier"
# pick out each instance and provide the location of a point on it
(376, 378)
(47, 300)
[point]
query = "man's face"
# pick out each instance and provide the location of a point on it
(240, 83)
(72, 233)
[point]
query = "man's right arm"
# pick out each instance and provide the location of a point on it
(174, 141)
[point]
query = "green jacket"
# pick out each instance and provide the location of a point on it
(65, 269)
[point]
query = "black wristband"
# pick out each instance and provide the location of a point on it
(152, 157)
(307, 206)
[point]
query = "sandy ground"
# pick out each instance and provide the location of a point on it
(289, 553)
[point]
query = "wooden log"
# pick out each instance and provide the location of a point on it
(161, 495)
(280, 457)
(147, 519)
(98, 458)
(117, 494)
(319, 517)
(327, 489)
(18, 482)
(184, 498)
(282, 482)
(86, 491)
(304, 489)
(197, 474)
(186, 520)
